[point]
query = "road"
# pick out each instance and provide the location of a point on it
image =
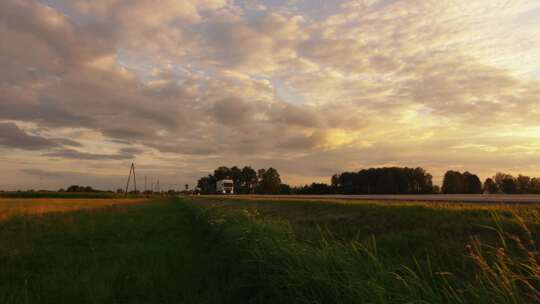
(465, 198)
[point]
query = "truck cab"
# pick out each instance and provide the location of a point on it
(225, 186)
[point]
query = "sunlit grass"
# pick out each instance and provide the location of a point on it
(19, 206)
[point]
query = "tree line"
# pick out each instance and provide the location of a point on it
(386, 180)
(246, 180)
(391, 180)
(506, 183)
(467, 183)
(368, 181)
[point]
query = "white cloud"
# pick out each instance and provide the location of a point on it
(193, 83)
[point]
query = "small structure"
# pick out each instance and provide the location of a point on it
(225, 186)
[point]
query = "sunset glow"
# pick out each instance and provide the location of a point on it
(311, 88)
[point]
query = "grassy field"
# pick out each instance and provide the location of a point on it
(152, 252)
(18, 206)
(211, 250)
(60, 195)
(379, 252)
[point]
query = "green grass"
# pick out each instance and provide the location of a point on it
(320, 252)
(223, 251)
(156, 252)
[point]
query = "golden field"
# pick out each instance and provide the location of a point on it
(23, 206)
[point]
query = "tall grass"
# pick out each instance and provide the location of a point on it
(509, 272)
(292, 270)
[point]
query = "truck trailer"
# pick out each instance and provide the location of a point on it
(225, 186)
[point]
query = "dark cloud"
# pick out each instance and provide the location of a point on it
(12, 136)
(233, 111)
(131, 151)
(292, 115)
(67, 142)
(301, 143)
(73, 154)
(56, 179)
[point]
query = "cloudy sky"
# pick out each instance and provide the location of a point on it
(310, 87)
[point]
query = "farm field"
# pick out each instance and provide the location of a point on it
(19, 206)
(354, 251)
(231, 250)
(125, 252)
(456, 198)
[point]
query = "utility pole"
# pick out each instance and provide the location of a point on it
(131, 170)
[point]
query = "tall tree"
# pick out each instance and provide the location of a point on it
(509, 185)
(392, 180)
(523, 183)
(249, 180)
(452, 183)
(499, 177)
(222, 173)
(472, 183)
(207, 184)
(270, 182)
(490, 186)
(236, 175)
(534, 185)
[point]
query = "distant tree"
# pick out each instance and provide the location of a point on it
(472, 183)
(335, 181)
(285, 189)
(317, 188)
(453, 183)
(523, 184)
(248, 181)
(207, 184)
(499, 177)
(74, 188)
(222, 173)
(534, 185)
(393, 180)
(260, 174)
(270, 182)
(509, 185)
(236, 175)
(422, 181)
(490, 186)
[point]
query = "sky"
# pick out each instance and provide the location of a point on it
(310, 88)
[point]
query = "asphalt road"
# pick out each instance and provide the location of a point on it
(466, 198)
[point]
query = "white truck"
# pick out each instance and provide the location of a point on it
(225, 186)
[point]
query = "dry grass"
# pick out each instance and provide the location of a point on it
(14, 206)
